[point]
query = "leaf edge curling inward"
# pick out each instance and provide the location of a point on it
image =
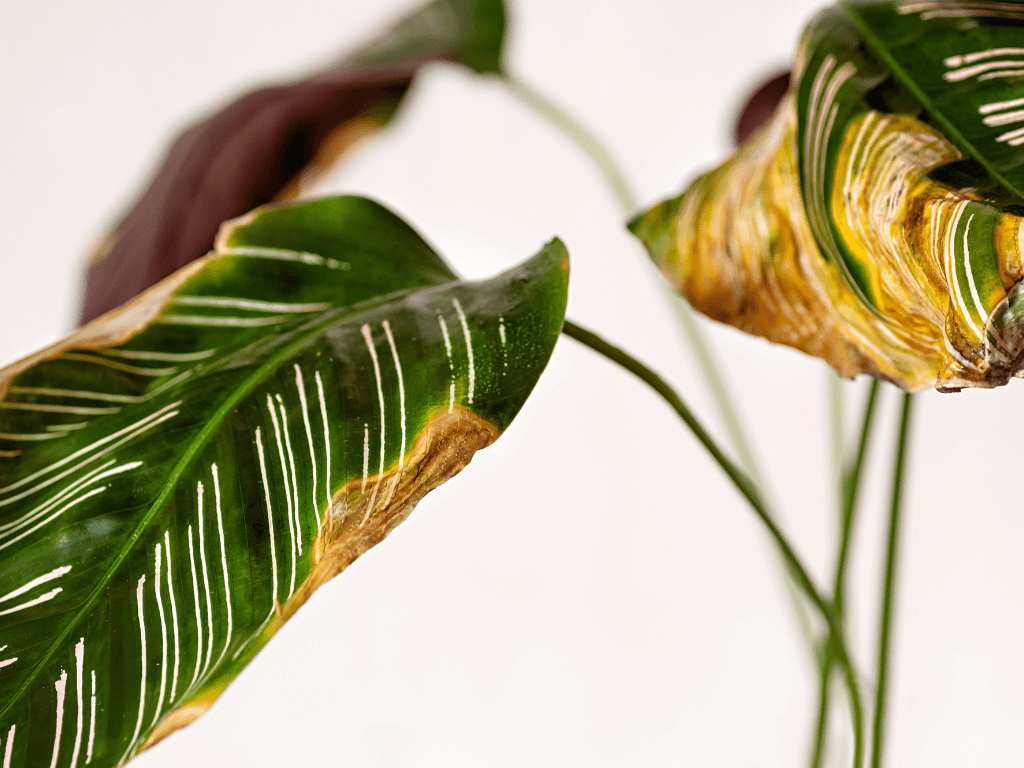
(804, 237)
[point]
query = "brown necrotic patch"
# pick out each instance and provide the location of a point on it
(113, 328)
(360, 516)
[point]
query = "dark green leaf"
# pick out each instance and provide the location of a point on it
(177, 477)
(470, 32)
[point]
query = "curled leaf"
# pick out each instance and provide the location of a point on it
(177, 477)
(276, 142)
(875, 222)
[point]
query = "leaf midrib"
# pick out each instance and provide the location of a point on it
(898, 71)
(198, 442)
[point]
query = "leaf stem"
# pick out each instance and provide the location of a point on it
(620, 188)
(727, 412)
(695, 337)
(579, 135)
(699, 347)
(750, 492)
(616, 180)
(849, 487)
(835, 403)
(885, 624)
(716, 383)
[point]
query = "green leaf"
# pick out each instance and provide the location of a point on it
(957, 66)
(177, 477)
(876, 222)
(470, 32)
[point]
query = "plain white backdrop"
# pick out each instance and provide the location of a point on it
(590, 591)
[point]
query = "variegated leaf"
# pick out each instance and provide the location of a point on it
(876, 221)
(177, 477)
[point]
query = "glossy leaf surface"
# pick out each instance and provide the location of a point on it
(177, 477)
(876, 221)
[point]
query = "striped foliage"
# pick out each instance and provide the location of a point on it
(876, 222)
(177, 477)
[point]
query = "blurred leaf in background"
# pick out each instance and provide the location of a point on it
(277, 142)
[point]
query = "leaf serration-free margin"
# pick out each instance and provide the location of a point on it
(188, 502)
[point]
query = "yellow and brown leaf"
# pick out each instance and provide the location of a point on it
(870, 222)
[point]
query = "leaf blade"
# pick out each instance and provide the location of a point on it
(860, 225)
(377, 373)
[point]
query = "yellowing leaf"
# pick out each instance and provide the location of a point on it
(871, 223)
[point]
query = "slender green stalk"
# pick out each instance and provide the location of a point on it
(750, 492)
(734, 429)
(849, 488)
(716, 384)
(580, 135)
(709, 367)
(835, 408)
(885, 624)
(825, 660)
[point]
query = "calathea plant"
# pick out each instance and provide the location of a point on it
(876, 221)
(181, 473)
(243, 430)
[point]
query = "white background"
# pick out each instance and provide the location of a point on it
(590, 592)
